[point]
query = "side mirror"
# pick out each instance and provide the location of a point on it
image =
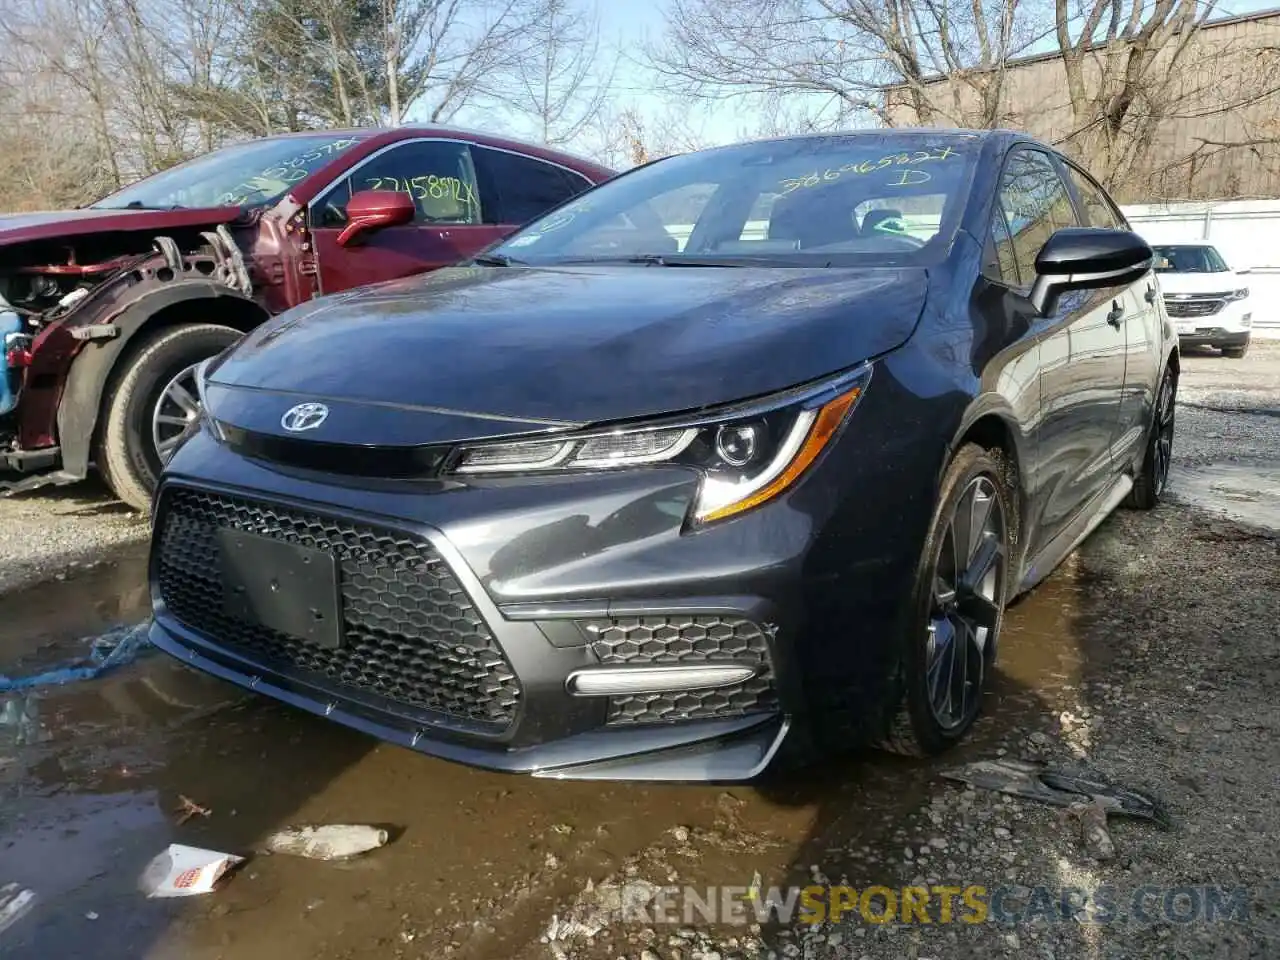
(370, 210)
(1087, 258)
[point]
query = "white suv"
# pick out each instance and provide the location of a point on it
(1207, 301)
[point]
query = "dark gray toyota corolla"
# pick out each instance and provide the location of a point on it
(735, 459)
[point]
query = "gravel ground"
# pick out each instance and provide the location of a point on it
(46, 533)
(1229, 410)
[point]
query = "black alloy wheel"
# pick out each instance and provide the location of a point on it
(966, 603)
(961, 589)
(1151, 480)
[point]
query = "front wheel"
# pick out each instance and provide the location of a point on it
(1236, 353)
(957, 606)
(151, 404)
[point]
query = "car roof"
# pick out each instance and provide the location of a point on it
(996, 137)
(410, 130)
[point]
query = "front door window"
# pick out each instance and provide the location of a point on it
(438, 175)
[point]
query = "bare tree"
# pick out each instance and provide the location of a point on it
(840, 55)
(623, 136)
(361, 62)
(49, 158)
(1138, 72)
(561, 82)
(1135, 89)
(65, 47)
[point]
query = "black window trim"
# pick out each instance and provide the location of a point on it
(469, 144)
(997, 210)
(1055, 160)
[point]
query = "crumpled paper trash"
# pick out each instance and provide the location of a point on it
(183, 871)
(335, 841)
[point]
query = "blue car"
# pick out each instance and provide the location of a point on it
(732, 461)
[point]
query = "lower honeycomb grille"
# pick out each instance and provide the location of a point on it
(644, 641)
(410, 632)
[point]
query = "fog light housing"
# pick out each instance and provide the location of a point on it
(616, 681)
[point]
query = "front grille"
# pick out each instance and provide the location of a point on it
(410, 632)
(686, 639)
(1193, 308)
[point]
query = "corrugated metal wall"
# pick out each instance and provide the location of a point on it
(1232, 63)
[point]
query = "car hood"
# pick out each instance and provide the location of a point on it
(470, 351)
(57, 224)
(1171, 282)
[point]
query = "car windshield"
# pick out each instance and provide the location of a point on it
(854, 199)
(1189, 260)
(246, 175)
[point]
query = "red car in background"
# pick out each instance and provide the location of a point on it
(107, 310)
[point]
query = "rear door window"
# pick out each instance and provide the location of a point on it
(522, 187)
(1097, 207)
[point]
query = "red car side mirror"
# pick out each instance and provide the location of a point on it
(370, 210)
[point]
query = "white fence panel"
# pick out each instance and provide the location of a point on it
(1245, 232)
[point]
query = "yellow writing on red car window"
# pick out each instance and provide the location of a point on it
(275, 178)
(426, 187)
(871, 166)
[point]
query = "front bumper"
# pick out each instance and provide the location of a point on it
(726, 750)
(494, 693)
(1210, 320)
(545, 578)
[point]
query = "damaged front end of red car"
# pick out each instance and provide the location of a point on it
(73, 288)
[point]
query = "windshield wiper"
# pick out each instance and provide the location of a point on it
(139, 205)
(675, 260)
(496, 260)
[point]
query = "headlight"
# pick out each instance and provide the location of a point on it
(1239, 294)
(747, 454)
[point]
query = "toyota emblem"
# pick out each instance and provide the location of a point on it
(305, 416)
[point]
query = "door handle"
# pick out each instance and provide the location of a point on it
(1117, 311)
(1150, 295)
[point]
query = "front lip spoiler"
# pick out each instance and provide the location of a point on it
(702, 751)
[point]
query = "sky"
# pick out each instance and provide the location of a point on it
(627, 24)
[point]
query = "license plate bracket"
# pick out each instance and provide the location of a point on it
(282, 586)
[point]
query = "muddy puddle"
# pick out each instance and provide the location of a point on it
(1248, 494)
(92, 779)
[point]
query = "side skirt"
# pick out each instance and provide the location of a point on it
(1086, 521)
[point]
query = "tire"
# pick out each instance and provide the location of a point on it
(1236, 353)
(921, 725)
(127, 454)
(1149, 484)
